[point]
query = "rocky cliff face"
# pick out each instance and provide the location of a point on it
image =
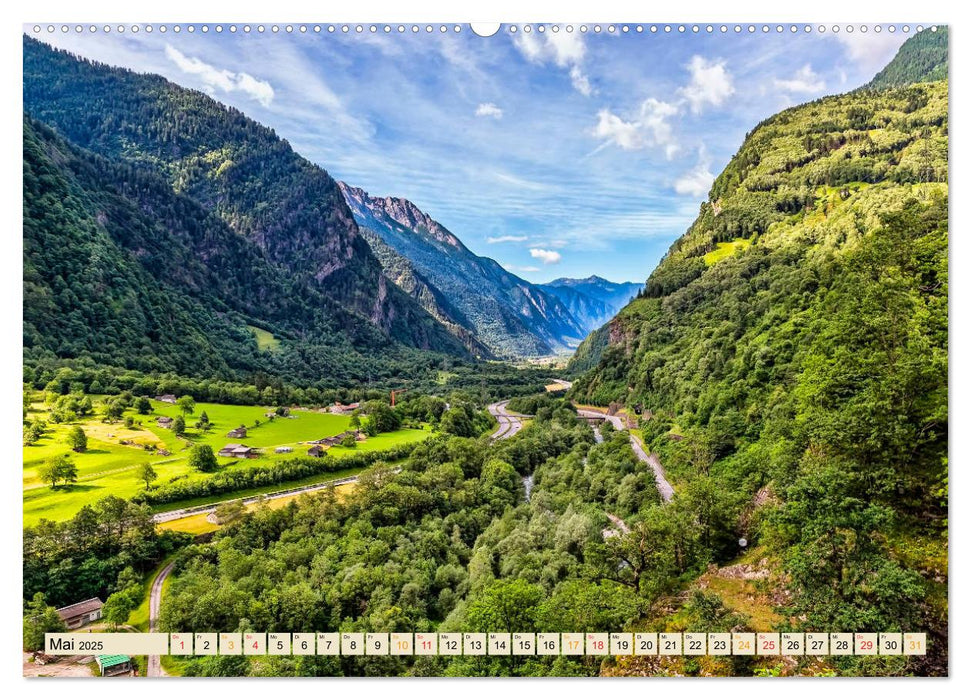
(507, 314)
(401, 212)
(400, 271)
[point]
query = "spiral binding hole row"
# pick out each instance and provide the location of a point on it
(457, 28)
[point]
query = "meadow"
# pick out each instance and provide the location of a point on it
(108, 467)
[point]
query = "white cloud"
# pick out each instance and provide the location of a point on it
(549, 257)
(505, 239)
(521, 268)
(711, 83)
(567, 47)
(531, 46)
(650, 128)
(621, 133)
(580, 82)
(563, 49)
(488, 109)
(870, 51)
(697, 181)
(219, 78)
(805, 80)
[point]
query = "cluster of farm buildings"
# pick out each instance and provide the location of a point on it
(241, 451)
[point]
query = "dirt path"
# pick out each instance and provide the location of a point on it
(621, 525)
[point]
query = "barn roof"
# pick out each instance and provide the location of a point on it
(82, 608)
(109, 660)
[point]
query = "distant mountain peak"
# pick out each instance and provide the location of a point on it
(592, 300)
(592, 280)
(509, 315)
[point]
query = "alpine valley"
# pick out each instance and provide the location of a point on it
(254, 236)
(257, 399)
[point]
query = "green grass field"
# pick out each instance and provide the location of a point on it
(726, 250)
(108, 467)
(264, 339)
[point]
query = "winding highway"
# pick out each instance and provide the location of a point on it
(663, 485)
(509, 423)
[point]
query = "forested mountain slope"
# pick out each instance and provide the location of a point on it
(512, 317)
(288, 208)
(922, 59)
(120, 269)
(402, 272)
(793, 347)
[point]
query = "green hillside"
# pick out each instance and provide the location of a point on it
(121, 270)
(806, 368)
(402, 272)
(922, 59)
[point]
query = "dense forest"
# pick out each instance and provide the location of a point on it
(487, 382)
(449, 543)
(922, 59)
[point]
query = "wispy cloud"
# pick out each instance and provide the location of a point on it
(870, 51)
(580, 82)
(220, 78)
(549, 257)
(488, 109)
(521, 183)
(711, 84)
(528, 175)
(562, 48)
(804, 80)
(521, 268)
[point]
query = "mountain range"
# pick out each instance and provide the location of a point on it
(508, 315)
(190, 229)
(593, 300)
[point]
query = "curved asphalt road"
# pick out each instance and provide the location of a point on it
(509, 423)
(663, 486)
(154, 605)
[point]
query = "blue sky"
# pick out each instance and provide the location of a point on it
(555, 153)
